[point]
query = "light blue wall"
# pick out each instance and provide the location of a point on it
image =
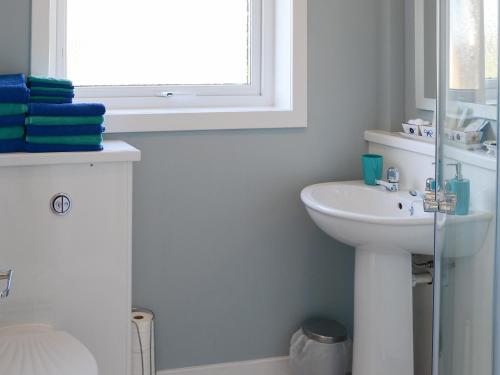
(15, 35)
(391, 63)
(224, 252)
(410, 102)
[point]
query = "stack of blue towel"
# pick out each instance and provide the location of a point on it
(14, 96)
(64, 127)
(50, 90)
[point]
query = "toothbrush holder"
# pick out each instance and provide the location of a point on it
(372, 168)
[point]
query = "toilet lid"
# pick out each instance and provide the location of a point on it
(41, 350)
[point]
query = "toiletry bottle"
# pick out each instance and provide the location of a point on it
(461, 187)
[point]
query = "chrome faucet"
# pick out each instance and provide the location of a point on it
(430, 198)
(6, 275)
(392, 182)
(427, 198)
(436, 200)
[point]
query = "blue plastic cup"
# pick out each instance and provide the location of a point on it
(372, 168)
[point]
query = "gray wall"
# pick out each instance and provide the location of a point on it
(14, 35)
(409, 31)
(224, 252)
(391, 47)
(422, 295)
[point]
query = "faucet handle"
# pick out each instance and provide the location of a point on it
(430, 184)
(393, 175)
(6, 275)
(430, 197)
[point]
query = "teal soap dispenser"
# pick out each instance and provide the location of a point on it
(461, 187)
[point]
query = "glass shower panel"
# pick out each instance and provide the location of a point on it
(467, 183)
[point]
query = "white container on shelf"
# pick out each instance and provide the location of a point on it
(410, 129)
(427, 131)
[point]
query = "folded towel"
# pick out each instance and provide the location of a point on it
(55, 94)
(52, 89)
(49, 81)
(7, 109)
(12, 145)
(64, 129)
(65, 120)
(77, 109)
(12, 120)
(30, 147)
(49, 85)
(12, 132)
(13, 89)
(65, 140)
(50, 100)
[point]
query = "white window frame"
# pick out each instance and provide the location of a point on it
(197, 94)
(277, 100)
(429, 104)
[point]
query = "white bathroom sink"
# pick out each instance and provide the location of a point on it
(357, 214)
(386, 228)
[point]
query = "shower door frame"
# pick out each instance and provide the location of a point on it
(442, 45)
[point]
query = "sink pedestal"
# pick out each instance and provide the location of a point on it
(383, 314)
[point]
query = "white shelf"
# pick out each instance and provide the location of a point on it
(477, 158)
(114, 151)
(394, 139)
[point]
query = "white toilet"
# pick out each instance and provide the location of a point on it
(42, 350)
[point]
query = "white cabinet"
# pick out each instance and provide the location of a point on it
(74, 270)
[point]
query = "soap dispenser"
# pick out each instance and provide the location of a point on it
(461, 188)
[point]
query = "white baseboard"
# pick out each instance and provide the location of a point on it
(268, 366)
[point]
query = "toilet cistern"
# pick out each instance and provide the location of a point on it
(392, 182)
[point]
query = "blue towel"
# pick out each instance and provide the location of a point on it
(12, 145)
(77, 109)
(52, 85)
(46, 100)
(57, 94)
(34, 147)
(41, 130)
(12, 120)
(13, 89)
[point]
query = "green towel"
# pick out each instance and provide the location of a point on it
(65, 120)
(50, 80)
(50, 99)
(11, 132)
(55, 90)
(66, 140)
(8, 109)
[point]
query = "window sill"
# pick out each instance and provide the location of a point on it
(284, 93)
(189, 119)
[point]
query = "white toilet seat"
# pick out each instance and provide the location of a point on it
(41, 350)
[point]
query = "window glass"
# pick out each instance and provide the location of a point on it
(158, 42)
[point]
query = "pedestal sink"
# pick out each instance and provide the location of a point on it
(385, 228)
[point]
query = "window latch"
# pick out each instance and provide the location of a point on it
(169, 94)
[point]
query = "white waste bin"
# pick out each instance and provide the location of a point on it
(321, 347)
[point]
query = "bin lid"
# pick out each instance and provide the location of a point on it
(325, 331)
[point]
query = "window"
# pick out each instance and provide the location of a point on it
(189, 46)
(187, 64)
(473, 51)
